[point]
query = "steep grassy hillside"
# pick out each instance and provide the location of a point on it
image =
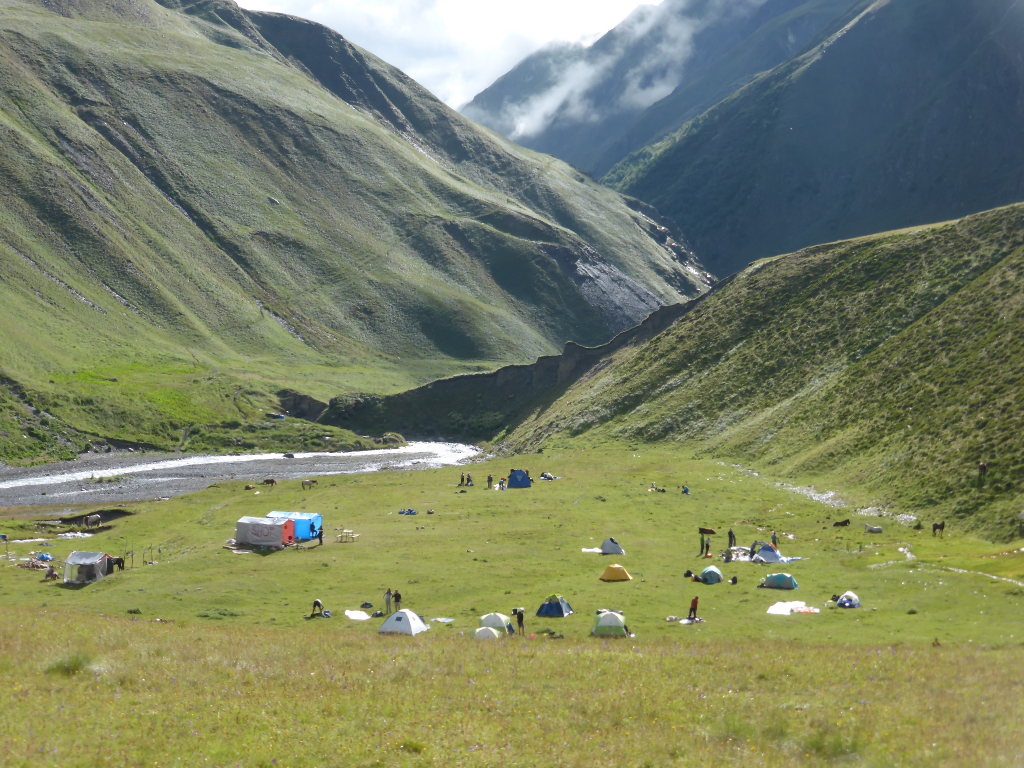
(593, 106)
(202, 206)
(892, 364)
(912, 114)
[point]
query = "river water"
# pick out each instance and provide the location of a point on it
(124, 477)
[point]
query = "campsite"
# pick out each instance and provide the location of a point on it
(182, 615)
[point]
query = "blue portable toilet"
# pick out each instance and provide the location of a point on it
(306, 523)
(519, 479)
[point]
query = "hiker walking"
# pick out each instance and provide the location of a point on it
(398, 600)
(982, 471)
(320, 535)
(387, 601)
(462, 479)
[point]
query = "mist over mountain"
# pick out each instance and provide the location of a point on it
(787, 123)
(593, 105)
(202, 199)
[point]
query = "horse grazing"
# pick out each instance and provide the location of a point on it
(841, 523)
(307, 484)
(118, 563)
(940, 527)
(872, 528)
(270, 481)
(93, 521)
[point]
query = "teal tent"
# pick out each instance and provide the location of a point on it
(779, 581)
(711, 575)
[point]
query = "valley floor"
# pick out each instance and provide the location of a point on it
(197, 656)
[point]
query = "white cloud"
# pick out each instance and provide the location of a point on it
(456, 48)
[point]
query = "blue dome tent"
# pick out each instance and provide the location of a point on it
(518, 478)
(555, 607)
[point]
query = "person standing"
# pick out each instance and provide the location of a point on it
(490, 482)
(732, 539)
(387, 602)
(520, 620)
(707, 547)
(692, 615)
(701, 552)
(320, 535)
(398, 600)
(775, 541)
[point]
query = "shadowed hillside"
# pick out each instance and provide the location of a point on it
(891, 364)
(203, 205)
(911, 114)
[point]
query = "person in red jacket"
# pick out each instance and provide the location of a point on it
(693, 608)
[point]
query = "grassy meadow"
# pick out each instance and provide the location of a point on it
(199, 656)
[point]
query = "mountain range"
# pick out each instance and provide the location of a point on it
(203, 205)
(787, 123)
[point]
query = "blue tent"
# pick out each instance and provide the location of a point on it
(555, 607)
(519, 479)
(306, 523)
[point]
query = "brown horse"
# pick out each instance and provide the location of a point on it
(270, 481)
(940, 528)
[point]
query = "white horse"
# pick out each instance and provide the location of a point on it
(93, 521)
(307, 484)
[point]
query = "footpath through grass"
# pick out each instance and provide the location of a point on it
(235, 674)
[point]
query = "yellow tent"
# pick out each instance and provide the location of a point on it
(616, 572)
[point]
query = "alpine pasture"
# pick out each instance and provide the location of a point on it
(196, 655)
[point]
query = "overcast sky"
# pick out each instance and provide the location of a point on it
(456, 48)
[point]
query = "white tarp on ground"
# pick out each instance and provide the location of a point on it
(358, 615)
(791, 607)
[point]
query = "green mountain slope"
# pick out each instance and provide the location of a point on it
(911, 114)
(890, 365)
(202, 205)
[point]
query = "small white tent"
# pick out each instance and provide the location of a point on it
(403, 622)
(487, 633)
(498, 621)
(610, 624)
(612, 547)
